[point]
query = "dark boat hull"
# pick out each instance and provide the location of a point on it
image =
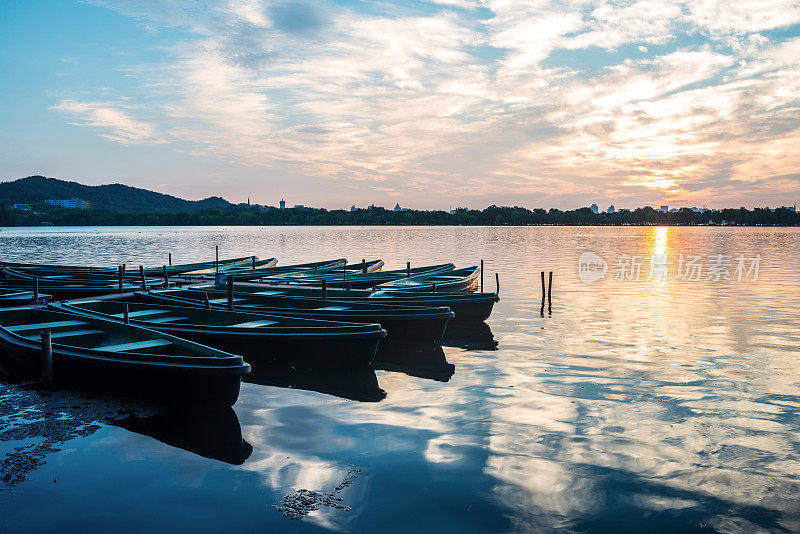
(153, 382)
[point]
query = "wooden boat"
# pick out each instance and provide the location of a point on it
(358, 279)
(111, 356)
(154, 271)
(455, 280)
(79, 278)
(68, 290)
(341, 268)
(255, 336)
(10, 297)
(252, 265)
(256, 274)
(466, 306)
(400, 322)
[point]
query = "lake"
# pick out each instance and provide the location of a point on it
(660, 391)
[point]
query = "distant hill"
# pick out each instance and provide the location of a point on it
(116, 197)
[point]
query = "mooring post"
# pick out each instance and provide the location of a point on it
(344, 273)
(120, 271)
(47, 356)
(170, 259)
(481, 276)
(35, 289)
(254, 262)
(166, 277)
(124, 268)
(229, 280)
(497, 281)
(205, 298)
(363, 266)
(434, 287)
(543, 291)
(408, 269)
(550, 293)
(126, 314)
(324, 289)
(91, 269)
(141, 275)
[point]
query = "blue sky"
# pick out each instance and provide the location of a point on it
(429, 104)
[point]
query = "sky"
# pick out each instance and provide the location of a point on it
(430, 104)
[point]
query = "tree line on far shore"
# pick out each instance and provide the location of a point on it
(492, 216)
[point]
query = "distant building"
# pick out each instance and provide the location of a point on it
(72, 203)
(594, 208)
(299, 206)
(353, 208)
(283, 204)
(663, 209)
(611, 209)
(397, 207)
(21, 207)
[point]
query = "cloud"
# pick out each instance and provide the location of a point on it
(643, 99)
(112, 117)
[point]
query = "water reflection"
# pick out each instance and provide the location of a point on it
(354, 382)
(469, 335)
(424, 361)
(214, 434)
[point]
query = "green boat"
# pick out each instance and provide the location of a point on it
(69, 290)
(466, 306)
(255, 274)
(111, 356)
(153, 271)
(418, 324)
(256, 336)
(357, 279)
(252, 265)
(455, 280)
(11, 297)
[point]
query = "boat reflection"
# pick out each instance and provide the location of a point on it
(214, 434)
(469, 335)
(354, 382)
(424, 361)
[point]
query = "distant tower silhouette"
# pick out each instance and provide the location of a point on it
(248, 201)
(283, 204)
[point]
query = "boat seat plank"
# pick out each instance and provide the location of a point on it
(333, 308)
(44, 326)
(268, 293)
(223, 300)
(140, 313)
(136, 345)
(254, 324)
(68, 333)
(168, 319)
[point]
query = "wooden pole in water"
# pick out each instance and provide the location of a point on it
(254, 262)
(481, 276)
(141, 275)
(434, 287)
(216, 259)
(344, 273)
(170, 259)
(91, 269)
(550, 293)
(124, 268)
(207, 302)
(229, 280)
(324, 289)
(166, 277)
(364, 266)
(408, 269)
(47, 356)
(35, 289)
(497, 281)
(126, 314)
(120, 271)
(543, 290)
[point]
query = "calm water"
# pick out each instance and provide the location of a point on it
(652, 404)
